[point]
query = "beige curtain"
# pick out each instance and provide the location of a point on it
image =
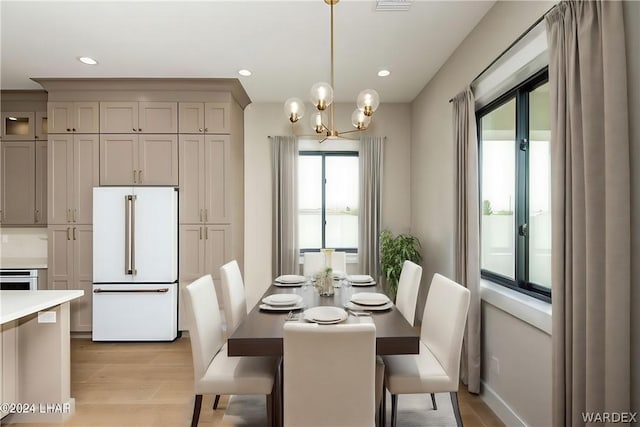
(467, 260)
(590, 210)
(284, 177)
(371, 167)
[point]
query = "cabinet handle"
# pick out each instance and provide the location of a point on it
(200, 130)
(139, 130)
(200, 215)
(206, 233)
(74, 129)
(134, 176)
(68, 129)
(75, 213)
(200, 228)
(35, 215)
(68, 215)
(74, 233)
(206, 215)
(134, 129)
(68, 235)
(206, 129)
(139, 177)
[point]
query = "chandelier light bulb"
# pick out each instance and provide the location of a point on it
(316, 122)
(368, 101)
(321, 95)
(360, 120)
(294, 109)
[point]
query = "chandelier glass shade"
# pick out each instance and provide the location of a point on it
(321, 96)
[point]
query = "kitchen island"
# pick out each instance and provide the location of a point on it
(35, 355)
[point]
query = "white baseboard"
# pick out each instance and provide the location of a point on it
(500, 407)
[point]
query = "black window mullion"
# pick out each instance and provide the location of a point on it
(522, 174)
(324, 200)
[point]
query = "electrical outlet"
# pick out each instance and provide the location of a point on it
(495, 365)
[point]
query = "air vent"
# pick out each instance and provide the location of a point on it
(393, 5)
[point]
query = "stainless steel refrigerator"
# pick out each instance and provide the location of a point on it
(135, 263)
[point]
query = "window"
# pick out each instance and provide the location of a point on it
(328, 197)
(515, 189)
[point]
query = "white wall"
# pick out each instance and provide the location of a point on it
(433, 211)
(263, 120)
(631, 18)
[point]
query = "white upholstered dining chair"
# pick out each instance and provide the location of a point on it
(213, 371)
(437, 368)
(329, 375)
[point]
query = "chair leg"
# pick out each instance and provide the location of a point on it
(456, 408)
(433, 401)
(215, 402)
(196, 410)
(383, 407)
(394, 409)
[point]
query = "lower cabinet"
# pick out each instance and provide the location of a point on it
(71, 267)
(204, 248)
(9, 392)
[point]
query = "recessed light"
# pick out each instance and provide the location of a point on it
(12, 118)
(384, 73)
(87, 60)
(244, 72)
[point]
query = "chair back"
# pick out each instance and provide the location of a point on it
(315, 262)
(408, 286)
(443, 323)
(234, 298)
(329, 375)
(204, 322)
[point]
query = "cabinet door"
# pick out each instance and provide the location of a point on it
(118, 117)
(60, 117)
(60, 257)
(86, 117)
(191, 178)
(41, 125)
(158, 117)
(191, 117)
(18, 126)
(118, 159)
(217, 117)
(86, 165)
(158, 160)
(217, 178)
(81, 308)
(9, 364)
(217, 240)
(60, 178)
(41, 183)
(192, 253)
(18, 182)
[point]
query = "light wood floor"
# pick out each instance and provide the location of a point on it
(151, 384)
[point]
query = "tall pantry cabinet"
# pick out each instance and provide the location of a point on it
(187, 133)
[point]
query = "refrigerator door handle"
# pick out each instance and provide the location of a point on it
(133, 235)
(128, 269)
(119, 291)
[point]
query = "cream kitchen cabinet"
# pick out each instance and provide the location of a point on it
(205, 179)
(205, 117)
(18, 126)
(127, 159)
(41, 182)
(18, 183)
(42, 125)
(9, 364)
(70, 266)
(73, 172)
(73, 117)
(138, 117)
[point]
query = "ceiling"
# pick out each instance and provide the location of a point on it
(284, 43)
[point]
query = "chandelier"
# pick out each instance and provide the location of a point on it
(321, 96)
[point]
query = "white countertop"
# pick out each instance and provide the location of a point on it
(23, 263)
(17, 304)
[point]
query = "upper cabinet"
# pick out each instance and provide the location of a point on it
(18, 126)
(73, 117)
(138, 117)
(18, 183)
(42, 128)
(205, 117)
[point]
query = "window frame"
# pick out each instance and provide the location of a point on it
(324, 155)
(521, 157)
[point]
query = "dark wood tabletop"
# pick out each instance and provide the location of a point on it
(261, 332)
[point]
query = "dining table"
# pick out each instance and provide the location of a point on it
(260, 334)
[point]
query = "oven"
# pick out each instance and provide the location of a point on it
(18, 280)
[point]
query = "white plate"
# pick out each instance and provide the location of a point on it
(290, 279)
(325, 314)
(282, 299)
(369, 298)
(357, 307)
(372, 283)
(267, 307)
(359, 278)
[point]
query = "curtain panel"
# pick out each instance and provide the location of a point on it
(467, 231)
(284, 178)
(590, 210)
(371, 160)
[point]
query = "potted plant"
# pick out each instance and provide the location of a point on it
(393, 253)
